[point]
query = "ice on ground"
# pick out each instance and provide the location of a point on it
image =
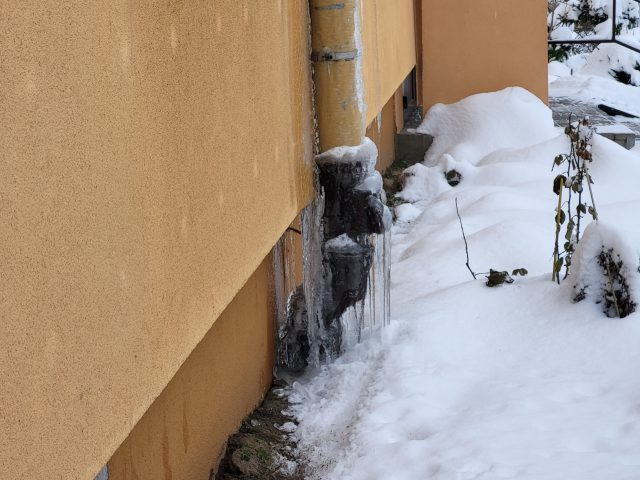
(472, 382)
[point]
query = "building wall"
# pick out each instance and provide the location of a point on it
(152, 153)
(473, 46)
(383, 131)
(388, 50)
(182, 435)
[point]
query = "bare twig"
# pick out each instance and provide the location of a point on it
(593, 202)
(466, 247)
(555, 275)
(613, 293)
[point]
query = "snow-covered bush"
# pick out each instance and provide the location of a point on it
(611, 60)
(627, 76)
(573, 19)
(606, 270)
(629, 18)
(580, 17)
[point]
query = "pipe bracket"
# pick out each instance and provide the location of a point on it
(330, 56)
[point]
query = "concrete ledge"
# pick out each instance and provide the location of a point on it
(620, 134)
(411, 146)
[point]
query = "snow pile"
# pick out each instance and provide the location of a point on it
(606, 266)
(558, 69)
(483, 123)
(472, 382)
(466, 131)
(597, 89)
(407, 213)
(608, 58)
(366, 154)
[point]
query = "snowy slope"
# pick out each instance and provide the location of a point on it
(477, 383)
(588, 77)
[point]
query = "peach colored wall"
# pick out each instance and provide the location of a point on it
(472, 46)
(151, 153)
(382, 131)
(388, 51)
(182, 435)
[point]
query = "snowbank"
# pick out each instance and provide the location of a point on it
(589, 77)
(608, 57)
(478, 383)
(483, 123)
(598, 90)
(597, 281)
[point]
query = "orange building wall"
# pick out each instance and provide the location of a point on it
(473, 46)
(152, 153)
(182, 435)
(382, 131)
(388, 50)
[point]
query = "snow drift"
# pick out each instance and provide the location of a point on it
(478, 383)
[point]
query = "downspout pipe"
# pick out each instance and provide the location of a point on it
(336, 45)
(353, 211)
(341, 230)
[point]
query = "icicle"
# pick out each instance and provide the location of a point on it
(345, 234)
(311, 222)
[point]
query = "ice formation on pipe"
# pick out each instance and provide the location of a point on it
(346, 261)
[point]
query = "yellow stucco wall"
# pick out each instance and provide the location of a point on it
(382, 131)
(474, 46)
(388, 50)
(151, 155)
(182, 435)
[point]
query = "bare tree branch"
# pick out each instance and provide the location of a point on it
(466, 247)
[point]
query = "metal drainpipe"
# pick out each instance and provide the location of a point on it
(336, 54)
(353, 212)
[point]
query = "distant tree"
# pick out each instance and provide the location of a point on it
(583, 16)
(626, 75)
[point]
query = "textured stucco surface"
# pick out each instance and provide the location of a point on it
(151, 153)
(181, 436)
(382, 131)
(474, 46)
(388, 50)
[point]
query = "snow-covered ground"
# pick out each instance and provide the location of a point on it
(587, 77)
(472, 382)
